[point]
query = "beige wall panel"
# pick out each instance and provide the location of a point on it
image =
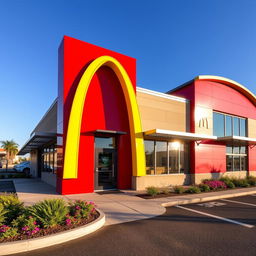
(203, 120)
(251, 128)
(162, 113)
(252, 173)
(142, 182)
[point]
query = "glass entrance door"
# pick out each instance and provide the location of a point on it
(105, 175)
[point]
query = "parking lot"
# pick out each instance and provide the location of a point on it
(221, 227)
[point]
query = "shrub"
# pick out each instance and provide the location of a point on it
(193, 190)
(178, 189)
(50, 212)
(251, 180)
(152, 191)
(13, 207)
(81, 209)
(225, 179)
(204, 187)
(241, 183)
(26, 225)
(230, 184)
(215, 184)
(165, 190)
(7, 231)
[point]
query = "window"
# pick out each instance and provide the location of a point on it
(150, 156)
(161, 157)
(227, 125)
(164, 157)
(218, 124)
(49, 159)
(236, 158)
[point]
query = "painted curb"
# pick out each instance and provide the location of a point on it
(207, 198)
(62, 237)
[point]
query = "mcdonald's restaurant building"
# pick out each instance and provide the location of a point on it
(104, 132)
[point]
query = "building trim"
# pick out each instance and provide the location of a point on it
(162, 95)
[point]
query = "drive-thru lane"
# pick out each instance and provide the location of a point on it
(177, 232)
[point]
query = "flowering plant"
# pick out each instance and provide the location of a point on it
(215, 184)
(81, 209)
(7, 231)
(26, 225)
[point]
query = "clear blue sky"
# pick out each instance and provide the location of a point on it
(173, 41)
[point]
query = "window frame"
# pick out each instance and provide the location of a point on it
(186, 152)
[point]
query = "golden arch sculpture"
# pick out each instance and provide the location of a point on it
(74, 125)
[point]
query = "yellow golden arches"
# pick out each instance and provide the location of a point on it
(75, 118)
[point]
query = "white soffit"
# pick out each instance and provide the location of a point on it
(179, 135)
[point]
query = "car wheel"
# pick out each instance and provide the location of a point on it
(26, 171)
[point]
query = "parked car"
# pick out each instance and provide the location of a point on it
(23, 167)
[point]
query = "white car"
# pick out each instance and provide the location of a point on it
(23, 167)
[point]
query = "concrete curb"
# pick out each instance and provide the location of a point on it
(207, 198)
(41, 242)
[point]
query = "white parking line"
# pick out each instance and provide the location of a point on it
(216, 217)
(238, 202)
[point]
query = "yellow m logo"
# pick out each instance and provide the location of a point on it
(73, 133)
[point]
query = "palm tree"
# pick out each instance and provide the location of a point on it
(11, 148)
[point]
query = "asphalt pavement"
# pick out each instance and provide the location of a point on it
(221, 227)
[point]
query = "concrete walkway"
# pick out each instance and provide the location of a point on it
(119, 207)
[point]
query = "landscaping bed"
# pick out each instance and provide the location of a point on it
(207, 186)
(47, 217)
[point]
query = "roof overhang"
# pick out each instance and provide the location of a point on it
(169, 134)
(37, 140)
(238, 140)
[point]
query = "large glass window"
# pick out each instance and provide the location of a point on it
(49, 159)
(227, 125)
(166, 157)
(236, 158)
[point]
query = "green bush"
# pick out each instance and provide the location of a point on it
(152, 191)
(241, 183)
(178, 189)
(251, 180)
(204, 187)
(230, 184)
(193, 190)
(165, 190)
(225, 179)
(13, 207)
(50, 212)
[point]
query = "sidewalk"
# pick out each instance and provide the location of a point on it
(119, 207)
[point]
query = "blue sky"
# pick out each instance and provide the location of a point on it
(173, 41)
